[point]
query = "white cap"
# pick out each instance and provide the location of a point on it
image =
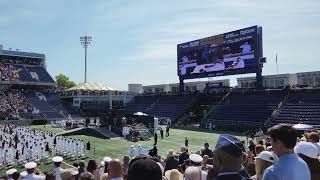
(307, 149)
(195, 158)
(267, 156)
(23, 174)
(107, 159)
(102, 163)
(11, 171)
(66, 174)
(30, 165)
(57, 159)
(139, 145)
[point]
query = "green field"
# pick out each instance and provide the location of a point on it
(117, 148)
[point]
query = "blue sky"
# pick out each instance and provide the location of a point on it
(135, 41)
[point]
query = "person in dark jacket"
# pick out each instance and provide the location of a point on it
(207, 151)
(228, 158)
(186, 142)
(171, 162)
(161, 133)
(155, 138)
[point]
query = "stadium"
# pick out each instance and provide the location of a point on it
(90, 121)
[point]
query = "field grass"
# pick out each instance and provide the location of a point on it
(118, 147)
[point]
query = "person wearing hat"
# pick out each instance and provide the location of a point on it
(264, 160)
(309, 153)
(23, 174)
(104, 169)
(144, 167)
(283, 139)
(31, 169)
(68, 174)
(57, 161)
(173, 174)
(196, 159)
(10, 173)
(227, 159)
(171, 162)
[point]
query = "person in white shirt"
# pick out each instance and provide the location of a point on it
(314, 137)
(31, 168)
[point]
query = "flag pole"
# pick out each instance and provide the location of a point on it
(277, 63)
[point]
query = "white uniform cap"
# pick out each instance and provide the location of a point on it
(195, 158)
(30, 165)
(11, 171)
(102, 163)
(307, 149)
(57, 159)
(107, 159)
(23, 174)
(267, 156)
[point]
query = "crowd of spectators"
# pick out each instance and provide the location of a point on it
(8, 73)
(13, 103)
(284, 156)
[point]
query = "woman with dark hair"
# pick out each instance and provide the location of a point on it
(309, 153)
(93, 169)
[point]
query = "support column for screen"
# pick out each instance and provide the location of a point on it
(259, 78)
(181, 85)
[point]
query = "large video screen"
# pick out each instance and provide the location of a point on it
(235, 52)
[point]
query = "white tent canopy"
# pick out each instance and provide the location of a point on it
(140, 114)
(302, 126)
(91, 87)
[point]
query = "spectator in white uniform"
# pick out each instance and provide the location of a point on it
(31, 168)
(10, 173)
(104, 164)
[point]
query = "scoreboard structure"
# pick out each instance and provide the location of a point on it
(235, 52)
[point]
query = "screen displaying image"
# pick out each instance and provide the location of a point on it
(224, 54)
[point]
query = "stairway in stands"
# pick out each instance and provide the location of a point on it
(302, 106)
(245, 110)
(43, 106)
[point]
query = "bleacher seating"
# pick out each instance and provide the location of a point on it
(141, 103)
(171, 106)
(43, 106)
(300, 107)
(24, 73)
(248, 110)
(38, 73)
(54, 100)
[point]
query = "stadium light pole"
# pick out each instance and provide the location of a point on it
(85, 41)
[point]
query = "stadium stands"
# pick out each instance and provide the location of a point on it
(141, 103)
(245, 110)
(300, 107)
(171, 106)
(38, 73)
(11, 104)
(43, 106)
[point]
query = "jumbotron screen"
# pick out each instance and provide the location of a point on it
(235, 52)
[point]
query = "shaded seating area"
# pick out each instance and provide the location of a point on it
(141, 103)
(249, 110)
(300, 107)
(43, 106)
(171, 106)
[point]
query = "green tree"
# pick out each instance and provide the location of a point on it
(64, 81)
